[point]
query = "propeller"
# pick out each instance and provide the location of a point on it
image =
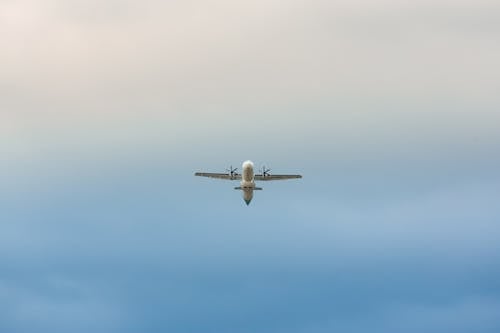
(232, 171)
(265, 172)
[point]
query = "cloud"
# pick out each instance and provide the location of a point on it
(80, 75)
(193, 54)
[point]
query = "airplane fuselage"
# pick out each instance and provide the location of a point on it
(247, 175)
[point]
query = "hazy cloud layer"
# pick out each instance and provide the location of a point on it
(220, 53)
(143, 74)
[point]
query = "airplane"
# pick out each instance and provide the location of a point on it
(247, 178)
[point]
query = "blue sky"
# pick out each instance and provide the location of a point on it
(389, 110)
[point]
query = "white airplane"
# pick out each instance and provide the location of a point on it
(247, 178)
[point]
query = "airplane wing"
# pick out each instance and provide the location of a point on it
(219, 175)
(275, 177)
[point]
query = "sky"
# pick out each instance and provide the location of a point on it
(389, 110)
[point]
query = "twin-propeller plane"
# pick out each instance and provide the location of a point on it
(247, 178)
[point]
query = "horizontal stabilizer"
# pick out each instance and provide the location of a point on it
(248, 188)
